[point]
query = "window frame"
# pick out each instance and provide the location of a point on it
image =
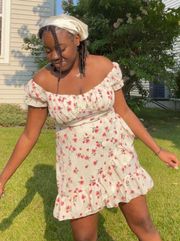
(5, 31)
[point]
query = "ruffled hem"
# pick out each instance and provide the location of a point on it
(102, 193)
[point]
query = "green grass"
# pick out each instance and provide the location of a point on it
(26, 209)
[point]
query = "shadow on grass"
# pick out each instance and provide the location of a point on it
(43, 182)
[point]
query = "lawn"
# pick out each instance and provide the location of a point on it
(26, 209)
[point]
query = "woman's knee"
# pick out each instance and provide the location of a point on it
(85, 229)
(85, 235)
(86, 238)
(137, 215)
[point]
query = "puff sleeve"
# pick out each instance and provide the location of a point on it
(117, 81)
(35, 95)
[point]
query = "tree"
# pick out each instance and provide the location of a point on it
(138, 34)
(33, 44)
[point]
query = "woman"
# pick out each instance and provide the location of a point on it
(96, 164)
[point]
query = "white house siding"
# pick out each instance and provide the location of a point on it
(172, 3)
(24, 18)
(146, 86)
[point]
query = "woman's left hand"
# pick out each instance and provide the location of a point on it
(169, 158)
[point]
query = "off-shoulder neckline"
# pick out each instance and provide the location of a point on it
(115, 65)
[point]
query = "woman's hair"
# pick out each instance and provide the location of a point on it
(82, 48)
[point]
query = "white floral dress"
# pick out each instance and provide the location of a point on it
(96, 163)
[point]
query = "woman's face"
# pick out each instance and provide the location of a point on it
(68, 45)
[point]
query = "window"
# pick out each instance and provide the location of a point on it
(157, 90)
(4, 30)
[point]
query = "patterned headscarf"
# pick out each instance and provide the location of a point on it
(69, 23)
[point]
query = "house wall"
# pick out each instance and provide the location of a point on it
(146, 86)
(25, 17)
(171, 3)
(173, 104)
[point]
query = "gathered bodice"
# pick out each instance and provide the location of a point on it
(69, 110)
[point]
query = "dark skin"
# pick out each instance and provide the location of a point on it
(97, 68)
(70, 83)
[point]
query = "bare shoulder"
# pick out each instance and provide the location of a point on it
(41, 76)
(102, 63)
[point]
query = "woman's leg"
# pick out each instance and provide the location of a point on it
(85, 228)
(138, 219)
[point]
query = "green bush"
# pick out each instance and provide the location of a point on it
(136, 103)
(13, 115)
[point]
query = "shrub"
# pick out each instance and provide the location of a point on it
(13, 115)
(136, 103)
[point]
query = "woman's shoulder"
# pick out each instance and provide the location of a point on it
(100, 62)
(41, 76)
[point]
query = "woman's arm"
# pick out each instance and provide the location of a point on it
(35, 120)
(140, 131)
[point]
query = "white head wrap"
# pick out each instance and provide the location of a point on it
(69, 23)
